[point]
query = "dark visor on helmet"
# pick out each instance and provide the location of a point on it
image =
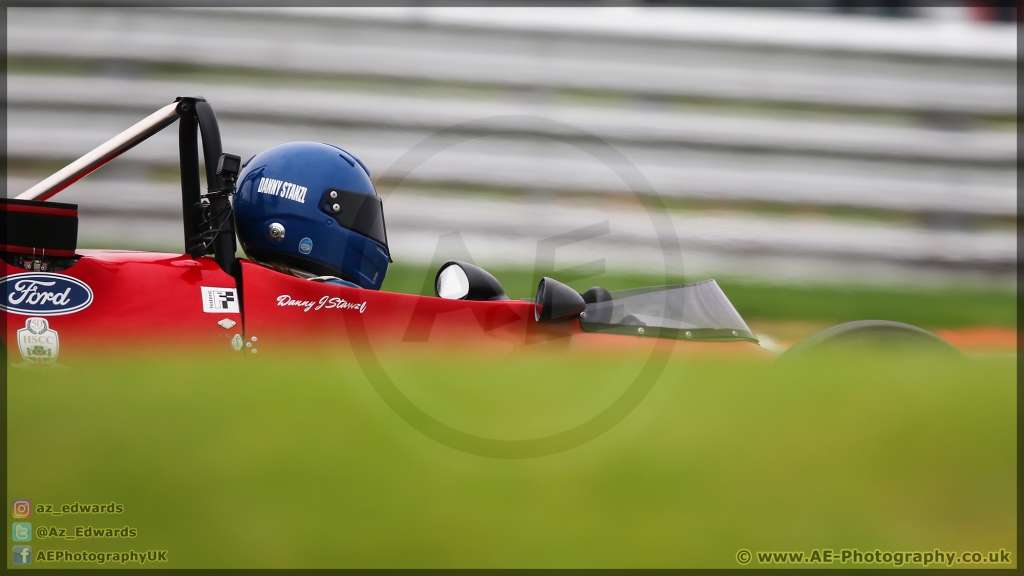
(357, 211)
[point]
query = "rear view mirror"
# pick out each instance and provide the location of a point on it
(556, 302)
(462, 281)
(452, 283)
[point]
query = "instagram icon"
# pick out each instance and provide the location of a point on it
(21, 509)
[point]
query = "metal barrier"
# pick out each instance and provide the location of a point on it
(720, 106)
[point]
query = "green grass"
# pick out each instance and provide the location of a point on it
(933, 308)
(297, 461)
(928, 308)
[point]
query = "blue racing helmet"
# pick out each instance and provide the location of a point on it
(313, 207)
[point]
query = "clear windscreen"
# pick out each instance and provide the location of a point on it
(698, 311)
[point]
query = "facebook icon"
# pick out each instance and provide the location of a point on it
(22, 555)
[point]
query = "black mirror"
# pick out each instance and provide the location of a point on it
(461, 281)
(556, 302)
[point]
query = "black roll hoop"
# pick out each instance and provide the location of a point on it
(207, 220)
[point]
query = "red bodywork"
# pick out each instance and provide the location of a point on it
(154, 301)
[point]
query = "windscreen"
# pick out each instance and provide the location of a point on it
(697, 311)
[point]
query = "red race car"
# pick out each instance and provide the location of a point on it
(63, 303)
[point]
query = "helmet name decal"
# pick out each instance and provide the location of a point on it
(282, 189)
(325, 302)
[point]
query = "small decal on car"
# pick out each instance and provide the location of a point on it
(44, 294)
(38, 343)
(219, 300)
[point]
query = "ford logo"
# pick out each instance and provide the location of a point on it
(43, 294)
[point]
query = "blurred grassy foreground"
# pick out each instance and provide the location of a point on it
(276, 462)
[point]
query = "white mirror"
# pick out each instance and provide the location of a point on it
(452, 283)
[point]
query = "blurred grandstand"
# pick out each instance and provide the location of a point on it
(796, 144)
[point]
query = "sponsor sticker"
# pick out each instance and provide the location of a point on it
(37, 342)
(305, 245)
(219, 300)
(44, 294)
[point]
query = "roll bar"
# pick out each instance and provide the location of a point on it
(207, 220)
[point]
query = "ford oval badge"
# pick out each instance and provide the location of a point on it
(44, 294)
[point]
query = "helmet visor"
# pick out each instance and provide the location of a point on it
(357, 211)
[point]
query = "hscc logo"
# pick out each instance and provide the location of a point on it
(37, 342)
(45, 294)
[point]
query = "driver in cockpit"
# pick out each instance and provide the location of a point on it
(310, 210)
